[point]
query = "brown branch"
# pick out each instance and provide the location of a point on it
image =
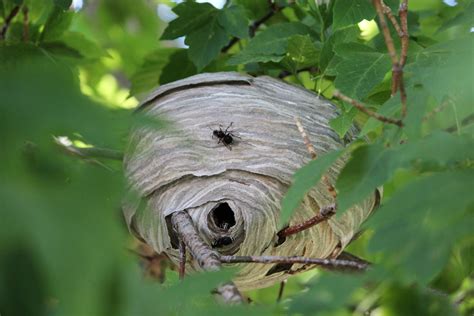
(370, 113)
(403, 12)
(333, 263)
(396, 69)
(306, 140)
(388, 12)
(26, 28)
(8, 19)
(313, 154)
(255, 25)
(402, 31)
(324, 214)
(386, 32)
(207, 258)
(182, 259)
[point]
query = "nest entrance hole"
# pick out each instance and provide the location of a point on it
(223, 216)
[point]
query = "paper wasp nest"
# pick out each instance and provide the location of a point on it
(235, 191)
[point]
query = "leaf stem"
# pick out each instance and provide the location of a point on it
(364, 109)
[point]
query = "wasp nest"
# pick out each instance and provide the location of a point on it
(232, 188)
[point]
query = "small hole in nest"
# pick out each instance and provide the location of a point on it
(223, 216)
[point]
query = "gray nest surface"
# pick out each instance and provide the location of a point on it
(235, 191)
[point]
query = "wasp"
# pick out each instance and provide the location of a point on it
(226, 136)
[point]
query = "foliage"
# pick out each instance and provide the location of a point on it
(75, 72)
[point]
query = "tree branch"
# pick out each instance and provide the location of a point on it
(397, 62)
(207, 258)
(403, 12)
(362, 108)
(255, 25)
(388, 12)
(332, 263)
(324, 214)
(8, 19)
(182, 259)
(313, 154)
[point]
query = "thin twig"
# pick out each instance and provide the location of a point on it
(386, 32)
(26, 27)
(280, 290)
(405, 40)
(436, 110)
(295, 259)
(392, 18)
(364, 109)
(312, 152)
(390, 46)
(324, 214)
(182, 259)
(87, 152)
(306, 140)
(403, 12)
(255, 25)
(8, 19)
(402, 31)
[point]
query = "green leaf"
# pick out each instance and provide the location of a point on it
(372, 165)
(346, 13)
(60, 49)
(343, 122)
(58, 22)
(417, 100)
(234, 20)
(304, 179)
(329, 292)
(205, 43)
(464, 19)
(361, 69)
(445, 69)
(178, 67)
(191, 16)
(302, 51)
(349, 34)
(63, 4)
(83, 45)
(426, 208)
(255, 9)
(269, 45)
(148, 75)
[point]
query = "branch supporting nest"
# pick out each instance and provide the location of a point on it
(207, 258)
(331, 263)
(211, 260)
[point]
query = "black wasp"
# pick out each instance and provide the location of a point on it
(225, 136)
(221, 242)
